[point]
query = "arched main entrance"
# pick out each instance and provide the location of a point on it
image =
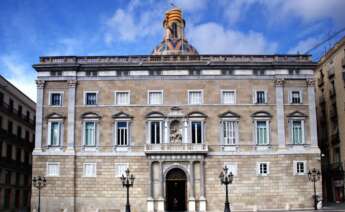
(176, 190)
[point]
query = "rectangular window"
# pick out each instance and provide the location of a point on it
(261, 132)
(122, 133)
(300, 168)
(122, 97)
(230, 132)
(1, 98)
(155, 97)
(195, 97)
(27, 115)
(11, 105)
(27, 135)
(297, 132)
(19, 131)
(196, 128)
(7, 198)
(90, 133)
(296, 97)
(120, 169)
(10, 127)
(89, 170)
(228, 97)
(55, 133)
(56, 99)
(263, 168)
(91, 98)
(17, 198)
(260, 97)
(53, 169)
(156, 132)
(9, 151)
(20, 110)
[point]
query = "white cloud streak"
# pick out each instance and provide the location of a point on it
(131, 24)
(278, 11)
(304, 45)
(20, 75)
(212, 38)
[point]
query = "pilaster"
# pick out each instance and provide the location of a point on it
(39, 115)
(279, 84)
(150, 200)
(202, 199)
(166, 131)
(71, 114)
(312, 111)
(185, 131)
(191, 201)
(160, 201)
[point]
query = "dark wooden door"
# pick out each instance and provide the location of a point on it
(176, 195)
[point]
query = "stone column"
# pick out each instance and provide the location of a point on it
(150, 200)
(202, 200)
(279, 84)
(39, 115)
(166, 131)
(312, 112)
(185, 131)
(191, 201)
(160, 201)
(71, 114)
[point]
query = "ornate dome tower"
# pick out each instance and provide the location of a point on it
(174, 41)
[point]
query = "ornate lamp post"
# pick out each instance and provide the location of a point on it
(127, 181)
(226, 179)
(39, 183)
(314, 176)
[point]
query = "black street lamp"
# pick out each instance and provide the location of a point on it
(127, 181)
(39, 183)
(226, 179)
(314, 176)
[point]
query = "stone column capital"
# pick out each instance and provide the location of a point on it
(279, 82)
(310, 82)
(72, 83)
(40, 84)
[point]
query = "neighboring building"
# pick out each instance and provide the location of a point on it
(17, 135)
(330, 94)
(175, 119)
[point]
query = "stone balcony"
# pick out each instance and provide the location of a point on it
(176, 149)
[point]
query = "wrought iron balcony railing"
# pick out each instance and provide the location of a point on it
(10, 110)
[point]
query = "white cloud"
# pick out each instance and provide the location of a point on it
(20, 75)
(212, 38)
(235, 9)
(280, 10)
(311, 10)
(191, 5)
(304, 45)
(131, 24)
(66, 46)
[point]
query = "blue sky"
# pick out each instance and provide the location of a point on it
(33, 28)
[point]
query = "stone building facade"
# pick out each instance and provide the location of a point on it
(175, 119)
(330, 92)
(17, 135)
